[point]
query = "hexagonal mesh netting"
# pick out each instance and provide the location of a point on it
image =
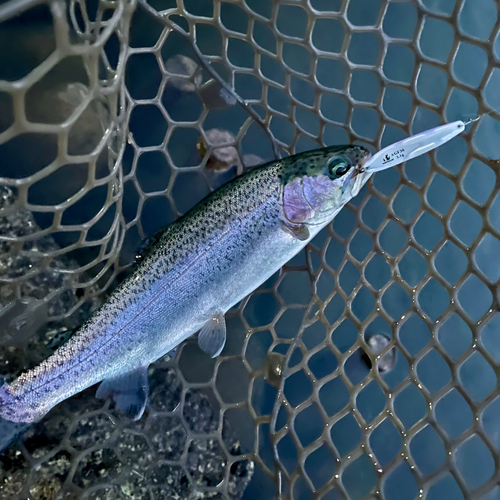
(367, 367)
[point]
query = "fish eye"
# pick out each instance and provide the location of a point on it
(337, 167)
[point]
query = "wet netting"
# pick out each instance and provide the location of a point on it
(367, 367)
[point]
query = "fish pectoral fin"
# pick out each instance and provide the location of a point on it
(129, 392)
(212, 336)
(299, 231)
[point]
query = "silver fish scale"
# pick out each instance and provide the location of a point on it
(106, 122)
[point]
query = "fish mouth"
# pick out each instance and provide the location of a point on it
(359, 164)
(360, 167)
(353, 173)
(357, 178)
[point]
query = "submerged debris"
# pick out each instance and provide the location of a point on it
(21, 319)
(378, 343)
(186, 68)
(215, 96)
(273, 368)
(252, 160)
(223, 153)
(186, 77)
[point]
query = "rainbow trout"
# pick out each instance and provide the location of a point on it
(195, 270)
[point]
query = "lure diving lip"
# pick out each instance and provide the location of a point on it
(414, 146)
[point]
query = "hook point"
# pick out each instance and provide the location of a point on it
(473, 120)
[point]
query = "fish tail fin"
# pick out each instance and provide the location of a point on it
(10, 432)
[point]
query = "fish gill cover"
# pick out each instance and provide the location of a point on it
(367, 367)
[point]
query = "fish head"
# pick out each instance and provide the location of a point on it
(317, 184)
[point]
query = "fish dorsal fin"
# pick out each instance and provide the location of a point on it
(212, 336)
(129, 392)
(147, 245)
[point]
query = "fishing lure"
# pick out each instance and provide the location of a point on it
(414, 146)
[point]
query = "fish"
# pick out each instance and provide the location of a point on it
(191, 274)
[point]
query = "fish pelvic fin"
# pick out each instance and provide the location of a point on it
(129, 392)
(212, 336)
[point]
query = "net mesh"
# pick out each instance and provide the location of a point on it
(367, 367)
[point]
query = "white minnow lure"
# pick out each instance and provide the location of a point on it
(198, 268)
(414, 146)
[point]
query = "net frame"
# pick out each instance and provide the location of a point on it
(121, 104)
